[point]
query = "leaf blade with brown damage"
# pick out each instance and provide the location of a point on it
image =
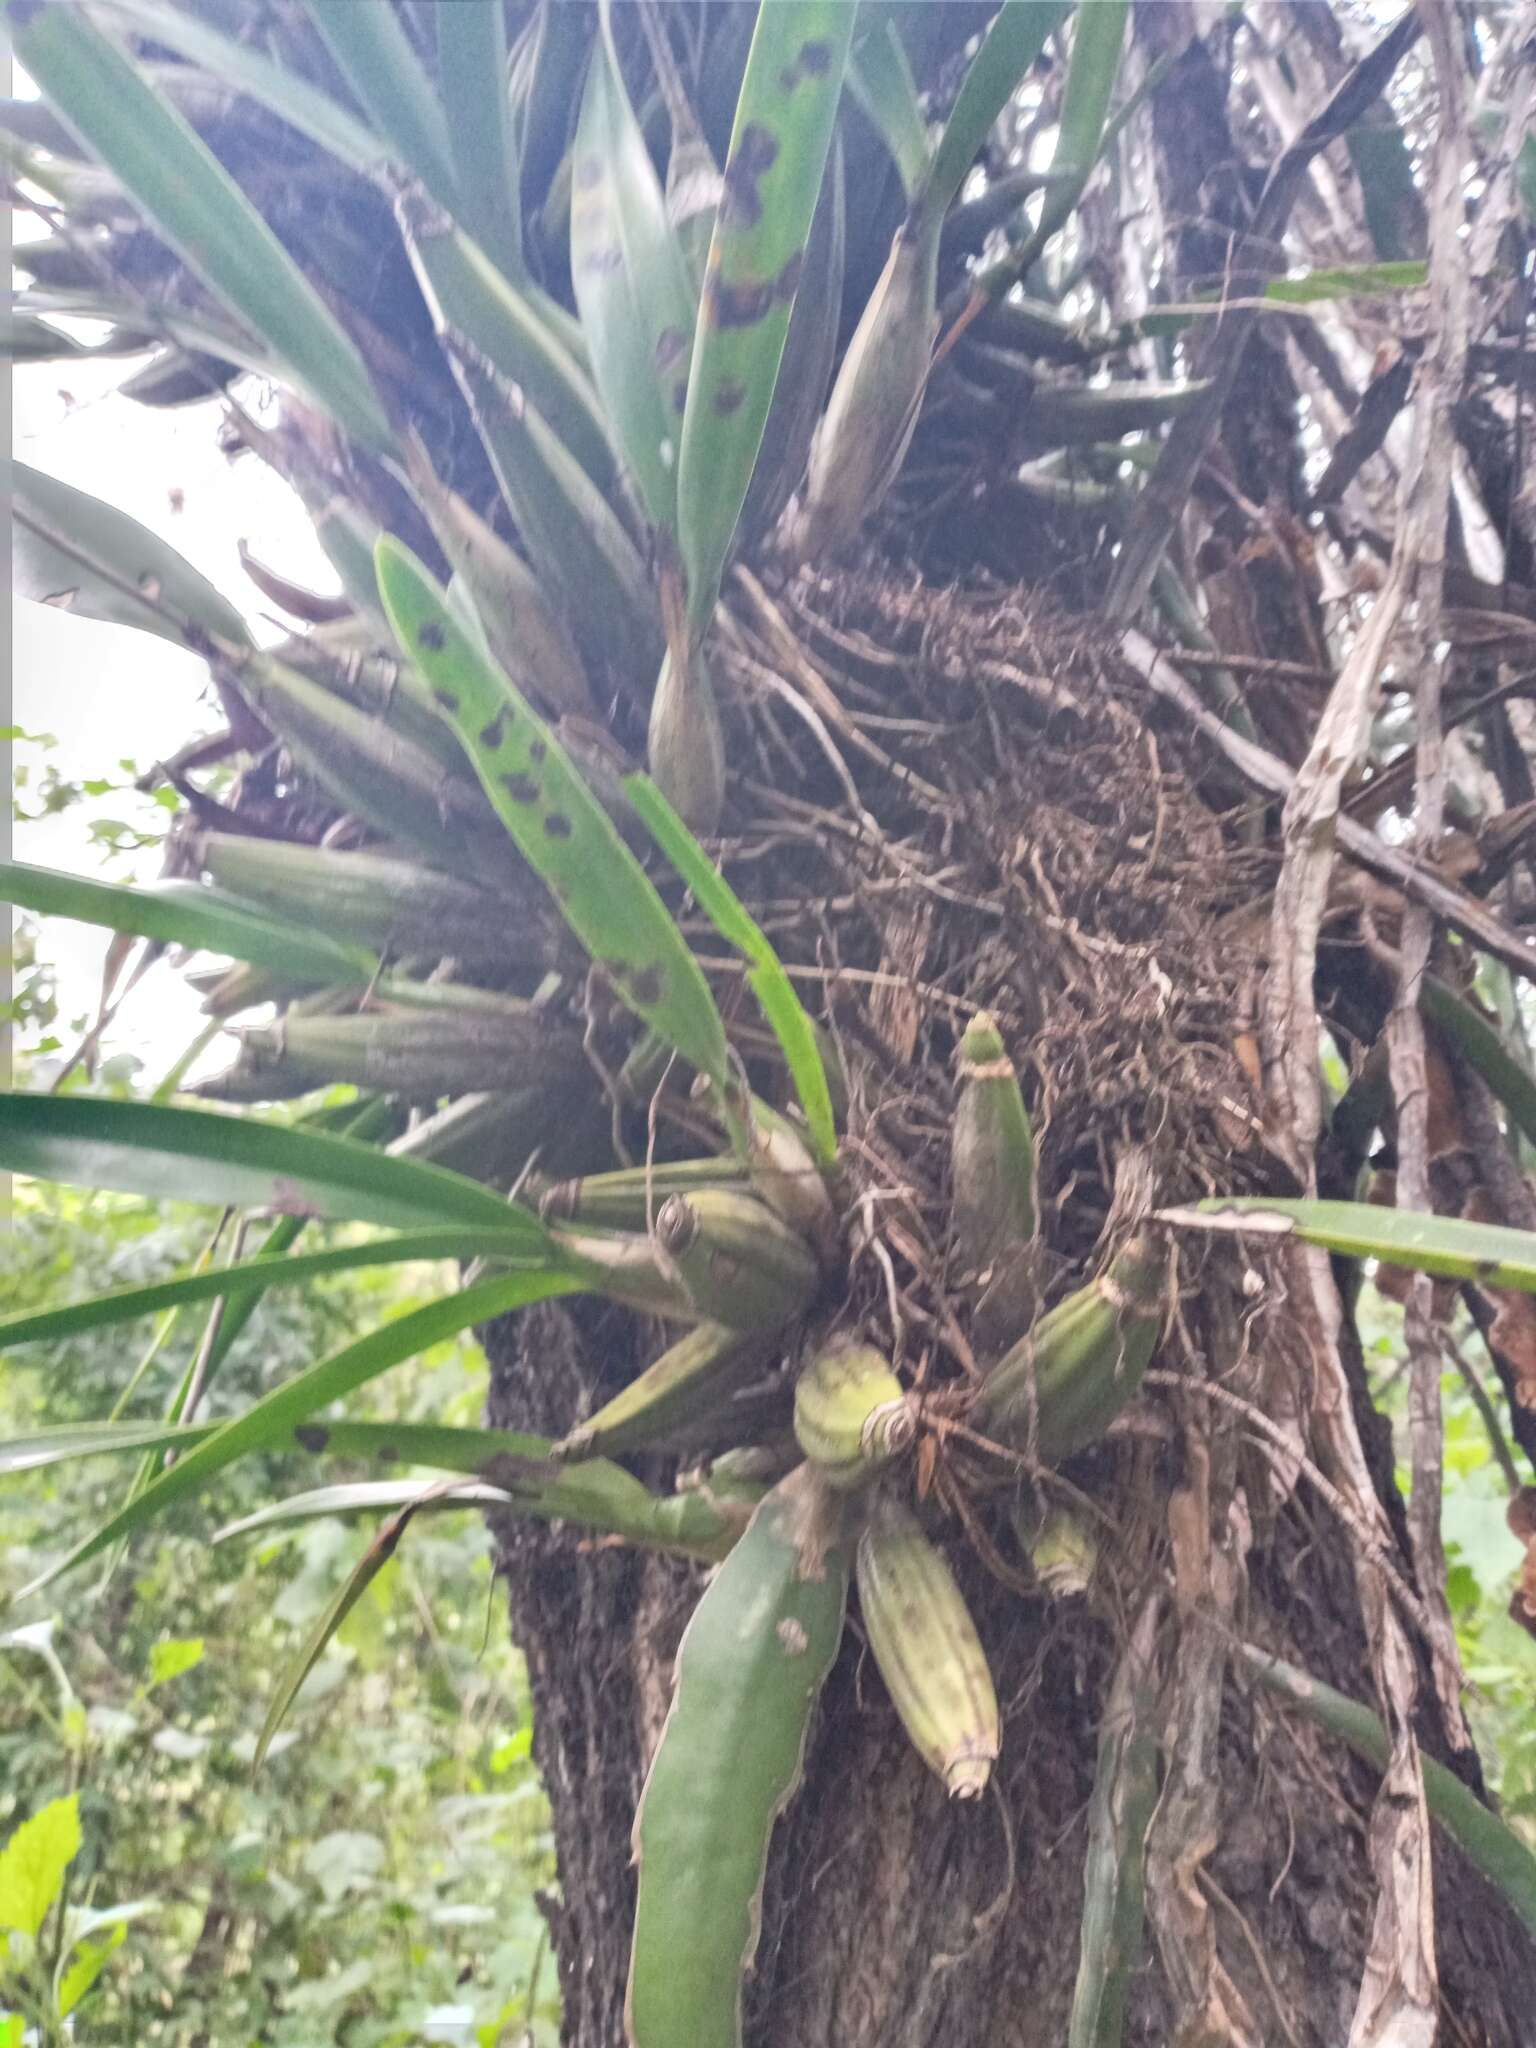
(773, 174)
(566, 836)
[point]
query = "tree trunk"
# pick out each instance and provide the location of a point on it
(894, 1918)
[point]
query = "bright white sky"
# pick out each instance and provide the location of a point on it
(106, 693)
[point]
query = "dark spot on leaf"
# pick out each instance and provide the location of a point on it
(493, 734)
(787, 283)
(671, 347)
(447, 699)
(431, 635)
(741, 204)
(309, 1436)
(588, 172)
(521, 788)
(646, 985)
(814, 60)
(536, 751)
(1487, 1269)
(389, 1454)
(680, 395)
(728, 396)
(558, 825)
(737, 305)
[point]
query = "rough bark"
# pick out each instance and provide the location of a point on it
(896, 1920)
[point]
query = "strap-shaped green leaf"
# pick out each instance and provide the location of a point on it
(1489, 1845)
(773, 174)
(1487, 1253)
(473, 303)
(1012, 43)
(565, 834)
(880, 79)
(381, 774)
(1483, 1048)
(374, 53)
(1098, 37)
(335, 1612)
(786, 1014)
(472, 79)
(201, 330)
(185, 914)
(239, 65)
(448, 1448)
(1125, 1788)
(193, 202)
(805, 368)
(197, 1155)
(594, 1495)
(252, 1276)
(272, 1421)
(524, 632)
(516, 1470)
(77, 551)
(575, 541)
(1346, 280)
(637, 306)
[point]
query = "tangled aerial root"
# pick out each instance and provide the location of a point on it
(958, 801)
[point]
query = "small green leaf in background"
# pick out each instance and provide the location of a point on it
(90, 1959)
(169, 1659)
(517, 1746)
(1525, 177)
(351, 1590)
(1346, 280)
(33, 1863)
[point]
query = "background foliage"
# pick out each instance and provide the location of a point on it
(374, 1884)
